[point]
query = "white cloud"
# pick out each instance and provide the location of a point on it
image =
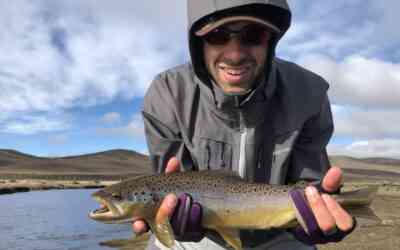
(388, 19)
(58, 139)
(133, 129)
(306, 37)
(62, 55)
(111, 118)
(353, 45)
(372, 148)
(332, 28)
(359, 81)
(67, 54)
(364, 27)
(144, 151)
(367, 124)
(30, 124)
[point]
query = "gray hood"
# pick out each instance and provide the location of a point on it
(199, 11)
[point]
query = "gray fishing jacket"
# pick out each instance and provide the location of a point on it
(277, 134)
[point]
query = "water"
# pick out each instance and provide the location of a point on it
(53, 220)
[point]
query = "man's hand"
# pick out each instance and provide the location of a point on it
(167, 206)
(328, 213)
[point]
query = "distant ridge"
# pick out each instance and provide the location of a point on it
(15, 153)
(371, 168)
(111, 153)
(111, 162)
(384, 161)
(122, 162)
(369, 160)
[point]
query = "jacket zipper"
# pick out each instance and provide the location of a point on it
(242, 152)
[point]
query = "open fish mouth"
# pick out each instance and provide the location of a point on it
(106, 210)
(102, 210)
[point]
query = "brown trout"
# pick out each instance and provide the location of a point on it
(229, 203)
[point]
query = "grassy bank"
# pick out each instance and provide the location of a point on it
(24, 185)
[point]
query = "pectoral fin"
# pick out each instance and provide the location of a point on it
(231, 236)
(163, 231)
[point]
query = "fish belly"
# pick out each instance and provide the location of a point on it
(262, 217)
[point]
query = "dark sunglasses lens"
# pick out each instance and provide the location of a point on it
(217, 37)
(253, 35)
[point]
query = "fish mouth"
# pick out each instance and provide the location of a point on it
(103, 210)
(106, 212)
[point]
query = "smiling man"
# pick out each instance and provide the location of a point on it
(237, 107)
(236, 64)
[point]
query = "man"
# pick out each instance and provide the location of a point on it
(238, 107)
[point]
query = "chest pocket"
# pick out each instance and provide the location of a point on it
(283, 147)
(214, 154)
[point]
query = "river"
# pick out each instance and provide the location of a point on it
(53, 220)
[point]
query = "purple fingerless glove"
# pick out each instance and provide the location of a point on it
(314, 234)
(186, 220)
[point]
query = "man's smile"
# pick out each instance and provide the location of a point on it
(235, 66)
(234, 74)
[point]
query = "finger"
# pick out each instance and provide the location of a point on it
(173, 165)
(343, 220)
(325, 220)
(139, 227)
(167, 208)
(332, 180)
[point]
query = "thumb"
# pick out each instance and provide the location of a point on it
(332, 179)
(173, 165)
(166, 209)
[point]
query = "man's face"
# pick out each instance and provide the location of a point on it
(236, 65)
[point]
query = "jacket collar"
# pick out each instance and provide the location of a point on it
(225, 102)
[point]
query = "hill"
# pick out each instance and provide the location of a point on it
(112, 162)
(121, 162)
(369, 168)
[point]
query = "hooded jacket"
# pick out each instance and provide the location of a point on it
(277, 134)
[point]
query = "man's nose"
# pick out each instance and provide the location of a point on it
(234, 50)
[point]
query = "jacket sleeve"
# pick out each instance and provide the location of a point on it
(309, 160)
(162, 131)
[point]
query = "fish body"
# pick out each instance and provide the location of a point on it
(229, 203)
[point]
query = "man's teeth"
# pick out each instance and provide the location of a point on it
(235, 71)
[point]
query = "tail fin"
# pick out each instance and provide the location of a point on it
(363, 212)
(357, 202)
(360, 197)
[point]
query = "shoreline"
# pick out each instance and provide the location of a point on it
(17, 186)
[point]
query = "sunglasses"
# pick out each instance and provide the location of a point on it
(249, 35)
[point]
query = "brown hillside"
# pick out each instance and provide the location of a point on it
(384, 164)
(127, 162)
(382, 161)
(370, 168)
(102, 163)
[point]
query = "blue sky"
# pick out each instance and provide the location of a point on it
(73, 72)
